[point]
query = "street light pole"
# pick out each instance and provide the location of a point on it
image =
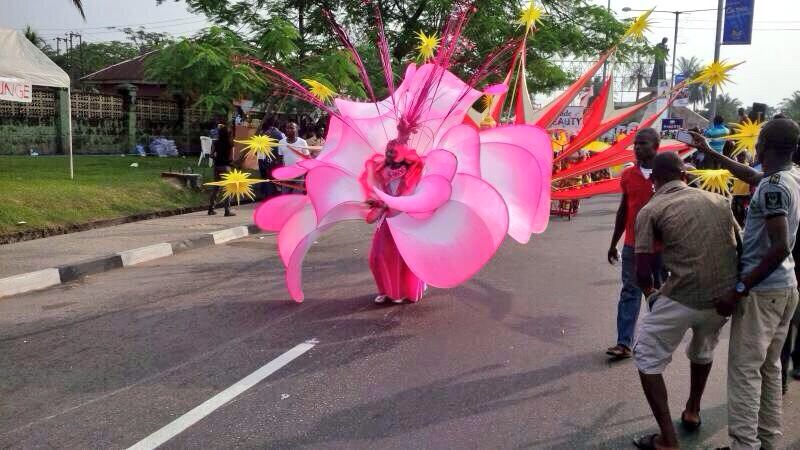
(713, 110)
(674, 54)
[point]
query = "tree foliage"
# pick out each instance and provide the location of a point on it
(727, 107)
(89, 57)
(790, 106)
(79, 4)
(690, 67)
(202, 69)
(293, 35)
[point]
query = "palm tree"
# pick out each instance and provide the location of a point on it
(698, 93)
(33, 36)
(636, 73)
(790, 106)
(79, 4)
(727, 107)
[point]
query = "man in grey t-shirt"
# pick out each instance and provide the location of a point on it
(763, 301)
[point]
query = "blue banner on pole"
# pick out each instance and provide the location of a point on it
(738, 22)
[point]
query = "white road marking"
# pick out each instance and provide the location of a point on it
(204, 409)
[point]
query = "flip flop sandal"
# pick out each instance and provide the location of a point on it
(646, 442)
(688, 425)
(619, 351)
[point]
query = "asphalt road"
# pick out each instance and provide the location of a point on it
(512, 359)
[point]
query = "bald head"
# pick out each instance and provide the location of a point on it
(667, 167)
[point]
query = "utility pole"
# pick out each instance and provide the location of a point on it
(80, 53)
(604, 64)
(71, 56)
(720, 8)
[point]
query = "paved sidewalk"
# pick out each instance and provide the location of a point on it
(54, 251)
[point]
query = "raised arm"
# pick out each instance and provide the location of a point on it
(741, 171)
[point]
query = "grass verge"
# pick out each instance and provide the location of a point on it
(38, 191)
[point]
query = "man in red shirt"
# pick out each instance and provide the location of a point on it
(637, 189)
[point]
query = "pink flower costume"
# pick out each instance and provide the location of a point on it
(443, 197)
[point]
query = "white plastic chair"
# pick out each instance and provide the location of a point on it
(205, 150)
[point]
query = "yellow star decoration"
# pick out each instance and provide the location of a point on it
(236, 184)
(530, 16)
(319, 90)
(746, 136)
(427, 45)
(715, 74)
(260, 145)
(639, 27)
(486, 101)
(716, 180)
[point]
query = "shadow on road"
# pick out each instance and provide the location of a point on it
(441, 401)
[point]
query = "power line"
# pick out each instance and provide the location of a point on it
(120, 26)
(711, 28)
(97, 34)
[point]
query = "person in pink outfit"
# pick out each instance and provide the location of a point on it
(397, 173)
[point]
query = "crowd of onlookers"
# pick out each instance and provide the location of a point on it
(685, 252)
(290, 150)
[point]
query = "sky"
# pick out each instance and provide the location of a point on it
(771, 71)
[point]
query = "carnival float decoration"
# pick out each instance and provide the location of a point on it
(442, 182)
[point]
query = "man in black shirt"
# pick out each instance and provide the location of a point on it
(222, 154)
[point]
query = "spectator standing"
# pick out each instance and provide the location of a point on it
(741, 115)
(223, 155)
(699, 236)
(764, 300)
(716, 135)
(293, 149)
(265, 166)
(637, 189)
(315, 140)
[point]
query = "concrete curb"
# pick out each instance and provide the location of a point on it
(41, 279)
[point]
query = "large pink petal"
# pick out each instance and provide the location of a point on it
(464, 142)
(289, 172)
(303, 222)
(328, 187)
(311, 163)
(374, 129)
(302, 243)
(432, 192)
(273, 214)
(350, 147)
(446, 249)
(440, 162)
(535, 141)
(496, 89)
(485, 201)
(515, 173)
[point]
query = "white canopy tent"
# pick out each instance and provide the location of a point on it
(20, 59)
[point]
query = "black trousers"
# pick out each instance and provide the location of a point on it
(266, 190)
(212, 201)
(791, 349)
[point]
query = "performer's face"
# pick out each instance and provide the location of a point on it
(391, 154)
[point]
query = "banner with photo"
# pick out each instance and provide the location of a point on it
(682, 97)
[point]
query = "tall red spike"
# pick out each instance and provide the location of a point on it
(547, 115)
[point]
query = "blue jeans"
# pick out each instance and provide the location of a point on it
(630, 298)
